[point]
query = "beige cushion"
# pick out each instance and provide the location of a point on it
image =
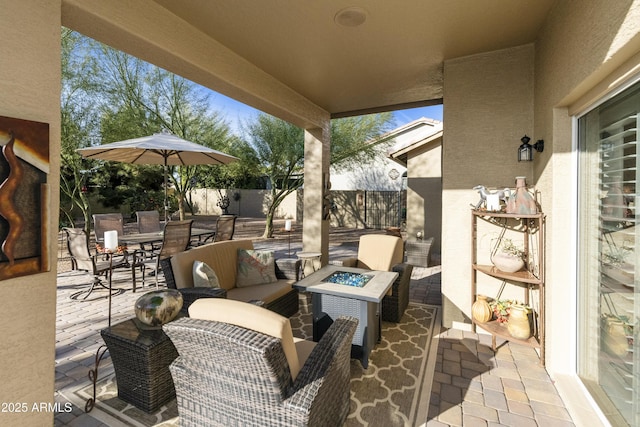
(379, 252)
(267, 293)
(255, 268)
(222, 257)
(204, 276)
(252, 317)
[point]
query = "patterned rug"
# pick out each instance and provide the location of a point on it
(393, 391)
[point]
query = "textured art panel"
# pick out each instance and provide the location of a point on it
(24, 166)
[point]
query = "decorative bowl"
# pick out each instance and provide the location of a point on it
(156, 308)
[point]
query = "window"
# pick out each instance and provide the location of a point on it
(608, 270)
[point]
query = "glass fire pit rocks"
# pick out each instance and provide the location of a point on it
(349, 279)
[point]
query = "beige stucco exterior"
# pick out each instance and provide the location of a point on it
(30, 89)
(532, 90)
(424, 193)
(490, 101)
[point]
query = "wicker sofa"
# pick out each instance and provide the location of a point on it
(239, 365)
(222, 257)
(385, 252)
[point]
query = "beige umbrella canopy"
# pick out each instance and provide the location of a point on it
(158, 149)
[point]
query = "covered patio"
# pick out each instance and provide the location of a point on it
(469, 384)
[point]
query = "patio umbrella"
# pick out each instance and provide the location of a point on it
(158, 149)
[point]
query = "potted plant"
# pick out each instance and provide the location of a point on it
(501, 309)
(508, 257)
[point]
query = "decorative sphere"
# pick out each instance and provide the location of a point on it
(156, 308)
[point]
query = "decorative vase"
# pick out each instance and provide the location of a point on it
(521, 201)
(518, 325)
(480, 310)
(506, 262)
(156, 308)
(614, 337)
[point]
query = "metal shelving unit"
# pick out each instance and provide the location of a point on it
(531, 277)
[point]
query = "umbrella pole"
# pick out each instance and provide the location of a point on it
(166, 208)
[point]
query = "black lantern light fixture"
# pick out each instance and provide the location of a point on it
(525, 151)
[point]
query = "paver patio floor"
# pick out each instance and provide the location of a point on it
(471, 385)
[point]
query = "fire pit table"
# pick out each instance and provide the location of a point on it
(338, 291)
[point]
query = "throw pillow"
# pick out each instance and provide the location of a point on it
(255, 268)
(204, 276)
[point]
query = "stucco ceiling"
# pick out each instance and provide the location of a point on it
(395, 57)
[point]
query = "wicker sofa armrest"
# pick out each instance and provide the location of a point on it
(189, 295)
(322, 388)
(288, 268)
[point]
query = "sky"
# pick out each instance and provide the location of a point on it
(235, 112)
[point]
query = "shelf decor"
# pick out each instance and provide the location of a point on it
(481, 310)
(507, 256)
(514, 321)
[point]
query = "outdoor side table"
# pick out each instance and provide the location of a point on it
(418, 252)
(310, 262)
(141, 359)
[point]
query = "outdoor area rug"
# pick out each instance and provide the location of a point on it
(393, 391)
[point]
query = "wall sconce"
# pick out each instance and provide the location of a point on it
(525, 151)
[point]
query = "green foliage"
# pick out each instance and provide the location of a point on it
(278, 147)
(122, 97)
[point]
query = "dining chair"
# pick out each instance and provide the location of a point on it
(149, 222)
(176, 238)
(106, 222)
(81, 259)
(225, 227)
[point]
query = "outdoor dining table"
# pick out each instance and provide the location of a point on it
(156, 236)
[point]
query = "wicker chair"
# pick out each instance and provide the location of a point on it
(229, 375)
(385, 252)
(176, 238)
(81, 259)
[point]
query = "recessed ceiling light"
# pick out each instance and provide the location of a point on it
(351, 16)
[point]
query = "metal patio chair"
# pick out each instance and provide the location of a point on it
(81, 259)
(176, 238)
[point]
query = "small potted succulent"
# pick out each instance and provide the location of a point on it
(508, 257)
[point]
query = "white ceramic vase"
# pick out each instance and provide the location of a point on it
(507, 263)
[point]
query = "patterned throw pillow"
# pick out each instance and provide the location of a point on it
(204, 276)
(255, 268)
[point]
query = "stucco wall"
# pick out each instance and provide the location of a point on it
(584, 51)
(485, 115)
(251, 203)
(29, 89)
(424, 193)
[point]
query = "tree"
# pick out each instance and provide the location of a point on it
(78, 126)
(144, 99)
(279, 148)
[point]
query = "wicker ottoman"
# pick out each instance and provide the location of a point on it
(418, 252)
(141, 360)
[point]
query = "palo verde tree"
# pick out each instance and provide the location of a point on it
(279, 148)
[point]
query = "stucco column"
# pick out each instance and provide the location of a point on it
(315, 228)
